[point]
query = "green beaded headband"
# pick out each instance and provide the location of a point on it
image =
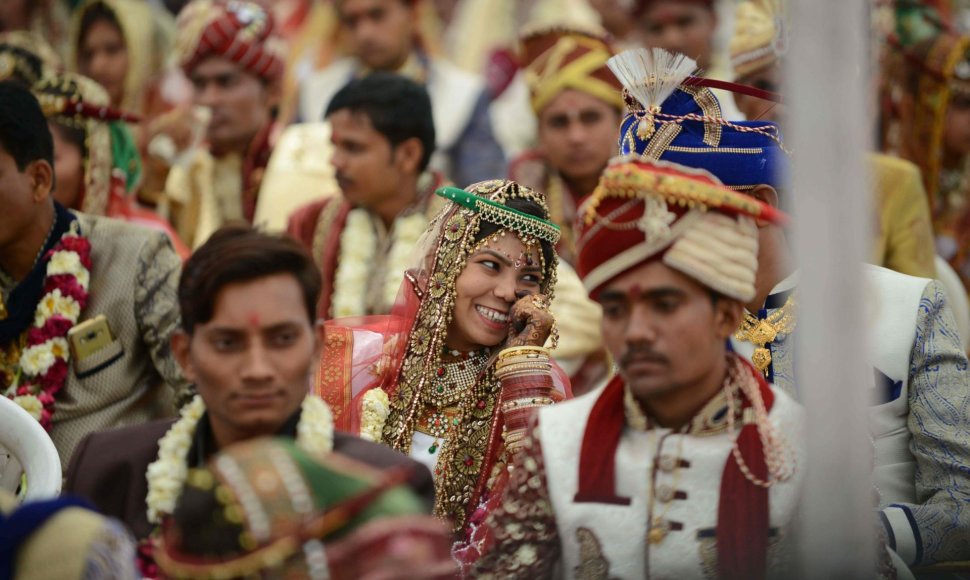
(502, 215)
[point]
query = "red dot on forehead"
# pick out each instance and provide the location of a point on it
(253, 319)
(634, 292)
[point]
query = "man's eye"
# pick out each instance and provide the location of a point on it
(284, 339)
(612, 310)
(666, 305)
(224, 344)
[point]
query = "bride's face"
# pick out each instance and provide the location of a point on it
(495, 276)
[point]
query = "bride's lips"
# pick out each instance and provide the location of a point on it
(492, 323)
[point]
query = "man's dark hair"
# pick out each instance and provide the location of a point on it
(24, 134)
(398, 108)
(242, 254)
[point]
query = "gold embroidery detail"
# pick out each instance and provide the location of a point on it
(706, 100)
(471, 442)
(592, 564)
(739, 150)
(661, 140)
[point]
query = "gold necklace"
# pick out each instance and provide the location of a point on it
(763, 331)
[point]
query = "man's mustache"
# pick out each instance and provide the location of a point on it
(642, 354)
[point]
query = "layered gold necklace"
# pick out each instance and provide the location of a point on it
(763, 331)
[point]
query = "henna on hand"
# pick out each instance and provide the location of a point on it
(531, 314)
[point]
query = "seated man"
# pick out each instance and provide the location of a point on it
(87, 304)
(248, 341)
(325, 514)
(919, 395)
(688, 461)
(382, 36)
(578, 104)
(362, 239)
(228, 51)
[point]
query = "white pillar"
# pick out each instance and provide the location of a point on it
(828, 131)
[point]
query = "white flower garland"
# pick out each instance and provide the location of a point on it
(375, 407)
(407, 231)
(166, 475)
(358, 247)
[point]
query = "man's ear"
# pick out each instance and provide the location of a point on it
(181, 342)
(274, 92)
(408, 154)
(765, 194)
(42, 179)
(728, 314)
(319, 335)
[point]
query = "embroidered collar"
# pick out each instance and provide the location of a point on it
(710, 420)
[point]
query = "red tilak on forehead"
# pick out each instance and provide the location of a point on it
(253, 319)
(634, 293)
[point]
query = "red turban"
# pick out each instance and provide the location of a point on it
(237, 30)
(644, 210)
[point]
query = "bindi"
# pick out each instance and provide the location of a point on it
(634, 293)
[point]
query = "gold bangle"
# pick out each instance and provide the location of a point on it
(527, 369)
(520, 360)
(526, 350)
(524, 365)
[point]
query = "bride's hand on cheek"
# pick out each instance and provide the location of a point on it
(530, 322)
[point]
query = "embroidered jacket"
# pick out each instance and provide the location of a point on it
(919, 415)
(542, 530)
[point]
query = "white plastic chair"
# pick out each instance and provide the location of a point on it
(956, 295)
(26, 448)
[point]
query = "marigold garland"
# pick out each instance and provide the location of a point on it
(41, 369)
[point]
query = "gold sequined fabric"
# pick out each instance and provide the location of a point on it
(474, 442)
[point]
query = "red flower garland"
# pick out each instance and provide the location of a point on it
(65, 295)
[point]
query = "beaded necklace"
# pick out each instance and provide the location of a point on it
(453, 382)
(452, 379)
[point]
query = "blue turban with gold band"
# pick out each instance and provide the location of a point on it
(689, 130)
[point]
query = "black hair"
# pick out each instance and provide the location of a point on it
(242, 254)
(487, 228)
(24, 134)
(99, 11)
(398, 108)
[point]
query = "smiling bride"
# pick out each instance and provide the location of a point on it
(454, 374)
